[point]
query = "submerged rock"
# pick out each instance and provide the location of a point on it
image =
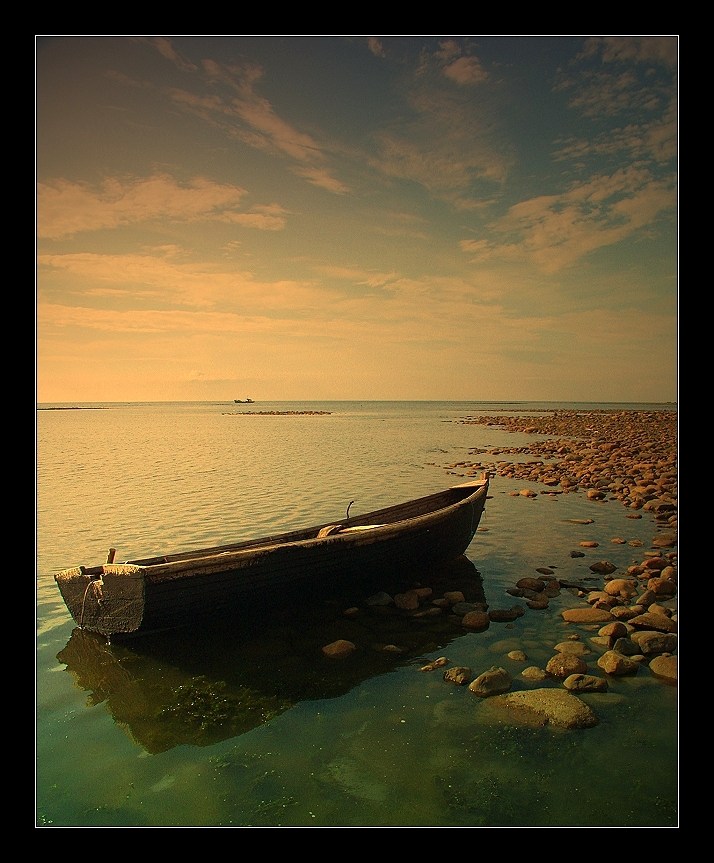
(491, 682)
(556, 707)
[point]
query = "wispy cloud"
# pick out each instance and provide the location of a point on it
(375, 46)
(67, 208)
(553, 232)
(236, 106)
(449, 140)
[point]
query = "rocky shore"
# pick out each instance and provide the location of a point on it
(630, 620)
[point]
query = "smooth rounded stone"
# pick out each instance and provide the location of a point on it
(492, 682)
(504, 645)
(664, 667)
(424, 592)
(564, 664)
(589, 543)
(573, 648)
(624, 587)
(602, 567)
(601, 641)
(408, 601)
(662, 586)
(647, 598)
(652, 642)
(517, 655)
(660, 622)
(659, 563)
(540, 707)
(585, 683)
(339, 649)
(655, 608)
(616, 664)
(545, 570)
(538, 603)
(616, 629)
(586, 615)
(552, 588)
(528, 492)
(627, 647)
(665, 540)
(351, 612)
(599, 596)
(459, 674)
(534, 584)
(506, 615)
(476, 620)
(534, 673)
(435, 663)
(441, 602)
(624, 612)
(380, 598)
(577, 554)
(466, 607)
(454, 596)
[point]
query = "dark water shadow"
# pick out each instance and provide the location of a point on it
(207, 684)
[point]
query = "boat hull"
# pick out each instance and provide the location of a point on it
(178, 590)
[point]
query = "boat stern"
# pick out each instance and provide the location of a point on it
(109, 601)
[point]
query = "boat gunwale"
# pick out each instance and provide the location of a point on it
(306, 538)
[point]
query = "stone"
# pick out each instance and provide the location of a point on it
(564, 664)
(476, 621)
(339, 649)
(616, 664)
(492, 682)
(459, 674)
(664, 667)
(585, 683)
(586, 615)
(540, 707)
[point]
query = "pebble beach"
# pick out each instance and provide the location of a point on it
(625, 456)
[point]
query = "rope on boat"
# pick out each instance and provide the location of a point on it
(84, 599)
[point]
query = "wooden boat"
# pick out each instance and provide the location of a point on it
(172, 590)
(243, 401)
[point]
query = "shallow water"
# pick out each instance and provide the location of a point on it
(250, 725)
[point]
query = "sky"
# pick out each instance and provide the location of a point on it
(356, 217)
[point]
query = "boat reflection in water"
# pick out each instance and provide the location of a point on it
(201, 687)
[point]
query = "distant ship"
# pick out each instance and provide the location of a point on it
(243, 401)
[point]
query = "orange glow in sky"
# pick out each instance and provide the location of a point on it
(343, 217)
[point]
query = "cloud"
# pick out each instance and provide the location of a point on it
(165, 47)
(448, 139)
(375, 46)
(166, 278)
(661, 50)
(466, 70)
(554, 232)
(237, 108)
(67, 208)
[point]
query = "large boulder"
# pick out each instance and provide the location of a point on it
(539, 707)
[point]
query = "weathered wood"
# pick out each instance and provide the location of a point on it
(175, 589)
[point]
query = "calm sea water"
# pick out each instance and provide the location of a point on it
(248, 725)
